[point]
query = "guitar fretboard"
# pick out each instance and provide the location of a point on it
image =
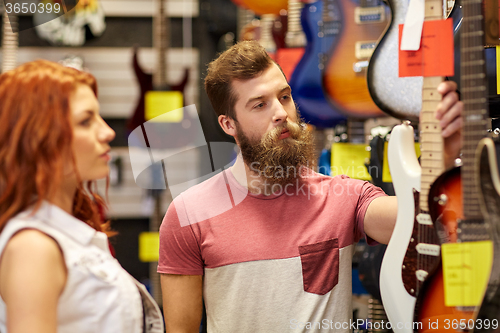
(332, 22)
(160, 41)
(431, 141)
(294, 37)
(9, 42)
(266, 37)
(474, 96)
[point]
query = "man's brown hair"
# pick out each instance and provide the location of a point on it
(243, 61)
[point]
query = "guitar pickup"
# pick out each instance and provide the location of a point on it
(364, 15)
(428, 249)
(424, 219)
(364, 50)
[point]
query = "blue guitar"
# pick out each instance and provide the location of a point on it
(321, 28)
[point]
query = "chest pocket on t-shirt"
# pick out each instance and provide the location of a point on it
(320, 266)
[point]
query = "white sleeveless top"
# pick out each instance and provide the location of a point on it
(99, 296)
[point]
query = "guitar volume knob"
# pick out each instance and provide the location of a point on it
(442, 199)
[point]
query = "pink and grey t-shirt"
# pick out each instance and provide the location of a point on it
(278, 263)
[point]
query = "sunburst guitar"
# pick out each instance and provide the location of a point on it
(344, 76)
(454, 201)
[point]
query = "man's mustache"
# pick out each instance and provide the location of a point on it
(273, 136)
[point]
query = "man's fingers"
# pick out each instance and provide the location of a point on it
(449, 101)
(453, 126)
(446, 86)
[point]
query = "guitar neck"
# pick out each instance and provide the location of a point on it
(266, 37)
(160, 42)
(9, 42)
(332, 21)
(356, 130)
(295, 37)
(431, 141)
(474, 96)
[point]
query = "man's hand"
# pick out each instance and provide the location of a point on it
(449, 112)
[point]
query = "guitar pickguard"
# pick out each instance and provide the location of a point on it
(418, 263)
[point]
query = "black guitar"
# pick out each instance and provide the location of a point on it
(156, 81)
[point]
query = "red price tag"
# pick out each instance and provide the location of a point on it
(435, 56)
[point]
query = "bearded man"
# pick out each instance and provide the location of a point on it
(267, 245)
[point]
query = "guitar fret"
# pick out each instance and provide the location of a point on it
(472, 89)
(473, 34)
(481, 100)
(472, 63)
(474, 76)
(470, 3)
(472, 18)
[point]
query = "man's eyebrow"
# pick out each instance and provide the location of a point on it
(251, 100)
(262, 96)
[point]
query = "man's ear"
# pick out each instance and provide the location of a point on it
(228, 125)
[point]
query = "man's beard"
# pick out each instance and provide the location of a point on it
(278, 161)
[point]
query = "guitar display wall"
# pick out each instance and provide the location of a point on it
(118, 89)
(110, 61)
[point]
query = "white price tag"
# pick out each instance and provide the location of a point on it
(412, 28)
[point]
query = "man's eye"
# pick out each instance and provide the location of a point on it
(260, 105)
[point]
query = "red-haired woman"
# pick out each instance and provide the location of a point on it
(56, 272)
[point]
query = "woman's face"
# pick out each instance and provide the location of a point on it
(91, 135)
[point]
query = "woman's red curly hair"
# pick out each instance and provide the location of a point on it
(36, 140)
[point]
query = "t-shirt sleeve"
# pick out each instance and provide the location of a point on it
(179, 247)
(366, 193)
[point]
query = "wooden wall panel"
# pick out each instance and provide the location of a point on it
(118, 89)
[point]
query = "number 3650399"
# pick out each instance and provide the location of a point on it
(32, 8)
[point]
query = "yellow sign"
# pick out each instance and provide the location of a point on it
(164, 106)
(349, 159)
(386, 173)
(466, 270)
(149, 246)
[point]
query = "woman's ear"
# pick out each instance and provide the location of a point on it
(228, 125)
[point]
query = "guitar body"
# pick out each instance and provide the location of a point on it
(400, 96)
(260, 7)
(346, 89)
(405, 171)
(432, 309)
(306, 81)
(445, 214)
(145, 81)
(488, 181)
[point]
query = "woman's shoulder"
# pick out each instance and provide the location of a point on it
(33, 240)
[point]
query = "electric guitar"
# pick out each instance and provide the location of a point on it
(454, 198)
(488, 182)
(413, 251)
(156, 81)
(344, 75)
(321, 27)
(399, 96)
